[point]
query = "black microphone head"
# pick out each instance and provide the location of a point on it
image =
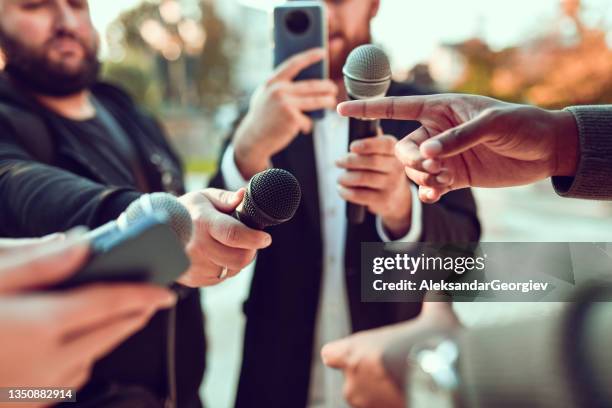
(367, 72)
(179, 219)
(272, 198)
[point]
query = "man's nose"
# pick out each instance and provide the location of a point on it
(66, 17)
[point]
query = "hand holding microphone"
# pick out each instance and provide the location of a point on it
(374, 179)
(367, 74)
(224, 244)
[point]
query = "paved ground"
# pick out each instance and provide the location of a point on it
(530, 214)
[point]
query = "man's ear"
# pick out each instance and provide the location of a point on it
(375, 8)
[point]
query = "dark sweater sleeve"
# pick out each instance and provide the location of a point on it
(594, 177)
(39, 199)
(527, 363)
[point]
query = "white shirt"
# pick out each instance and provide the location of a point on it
(333, 317)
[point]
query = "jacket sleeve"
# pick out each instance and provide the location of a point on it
(39, 199)
(593, 179)
(560, 361)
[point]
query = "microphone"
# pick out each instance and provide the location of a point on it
(162, 206)
(145, 244)
(272, 198)
(367, 74)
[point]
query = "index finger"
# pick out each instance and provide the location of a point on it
(394, 107)
(289, 69)
(334, 355)
(379, 145)
(79, 310)
(43, 266)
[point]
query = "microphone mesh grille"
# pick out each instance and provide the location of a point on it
(367, 72)
(179, 219)
(274, 192)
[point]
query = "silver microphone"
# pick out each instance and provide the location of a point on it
(163, 205)
(367, 74)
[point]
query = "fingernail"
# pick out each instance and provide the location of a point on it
(431, 148)
(443, 178)
(430, 194)
(430, 166)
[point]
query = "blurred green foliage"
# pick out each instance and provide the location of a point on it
(203, 81)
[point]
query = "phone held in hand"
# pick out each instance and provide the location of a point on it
(147, 251)
(300, 26)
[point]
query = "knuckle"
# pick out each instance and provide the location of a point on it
(201, 222)
(492, 113)
(410, 162)
(231, 234)
(430, 180)
(380, 162)
(359, 177)
(284, 105)
(456, 133)
(276, 91)
(245, 258)
(269, 82)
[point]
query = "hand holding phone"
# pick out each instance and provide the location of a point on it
(146, 251)
(300, 26)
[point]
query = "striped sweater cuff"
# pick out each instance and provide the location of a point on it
(594, 177)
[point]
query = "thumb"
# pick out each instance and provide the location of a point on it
(43, 265)
(225, 201)
(456, 140)
(334, 354)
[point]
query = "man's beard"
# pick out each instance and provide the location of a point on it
(33, 70)
(336, 63)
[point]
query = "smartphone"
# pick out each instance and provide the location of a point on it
(300, 26)
(148, 251)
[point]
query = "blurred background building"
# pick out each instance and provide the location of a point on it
(195, 62)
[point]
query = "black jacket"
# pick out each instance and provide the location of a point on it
(48, 190)
(282, 307)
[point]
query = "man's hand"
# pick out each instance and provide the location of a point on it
(476, 141)
(219, 241)
(375, 179)
(53, 339)
(276, 114)
(367, 383)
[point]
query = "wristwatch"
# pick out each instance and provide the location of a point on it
(433, 378)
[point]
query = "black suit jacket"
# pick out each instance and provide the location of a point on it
(39, 198)
(282, 306)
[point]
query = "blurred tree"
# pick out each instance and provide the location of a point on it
(182, 48)
(569, 63)
(134, 73)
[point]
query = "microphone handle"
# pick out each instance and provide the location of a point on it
(359, 129)
(243, 216)
(246, 220)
